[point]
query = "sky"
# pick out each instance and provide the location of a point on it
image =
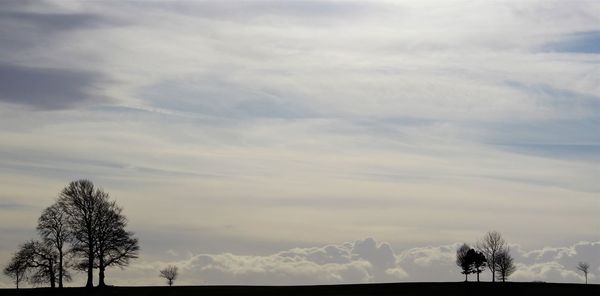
(309, 142)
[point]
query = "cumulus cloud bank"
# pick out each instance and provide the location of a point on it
(359, 262)
(362, 261)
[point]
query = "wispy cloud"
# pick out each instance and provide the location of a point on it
(49, 88)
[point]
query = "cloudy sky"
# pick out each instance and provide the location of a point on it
(303, 142)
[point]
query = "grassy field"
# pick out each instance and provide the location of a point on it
(446, 289)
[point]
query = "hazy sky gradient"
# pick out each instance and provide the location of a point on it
(234, 131)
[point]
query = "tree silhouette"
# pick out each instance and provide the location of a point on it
(81, 202)
(94, 227)
(584, 267)
(17, 268)
(464, 260)
(504, 264)
(490, 245)
(114, 245)
(169, 273)
(52, 227)
(470, 261)
(479, 263)
(42, 260)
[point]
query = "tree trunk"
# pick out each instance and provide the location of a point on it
(17, 281)
(170, 282)
(101, 269)
(493, 275)
(90, 267)
(466, 278)
(478, 276)
(52, 274)
(60, 268)
(101, 277)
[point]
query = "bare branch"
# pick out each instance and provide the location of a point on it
(490, 245)
(52, 227)
(169, 273)
(504, 264)
(584, 267)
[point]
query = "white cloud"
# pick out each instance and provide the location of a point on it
(558, 263)
(360, 261)
(548, 271)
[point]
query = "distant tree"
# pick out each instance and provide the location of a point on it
(42, 261)
(52, 227)
(490, 245)
(81, 201)
(169, 273)
(464, 260)
(114, 245)
(17, 268)
(584, 267)
(479, 263)
(504, 264)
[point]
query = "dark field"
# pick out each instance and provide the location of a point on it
(446, 289)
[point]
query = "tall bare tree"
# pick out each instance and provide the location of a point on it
(584, 267)
(490, 245)
(463, 260)
(169, 273)
(504, 264)
(114, 245)
(82, 201)
(17, 268)
(52, 227)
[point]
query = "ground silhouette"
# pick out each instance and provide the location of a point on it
(445, 289)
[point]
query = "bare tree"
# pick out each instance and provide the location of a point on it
(114, 245)
(584, 267)
(42, 260)
(490, 245)
(17, 268)
(504, 264)
(52, 227)
(169, 273)
(81, 201)
(463, 260)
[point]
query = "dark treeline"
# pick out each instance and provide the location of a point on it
(83, 230)
(491, 252)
